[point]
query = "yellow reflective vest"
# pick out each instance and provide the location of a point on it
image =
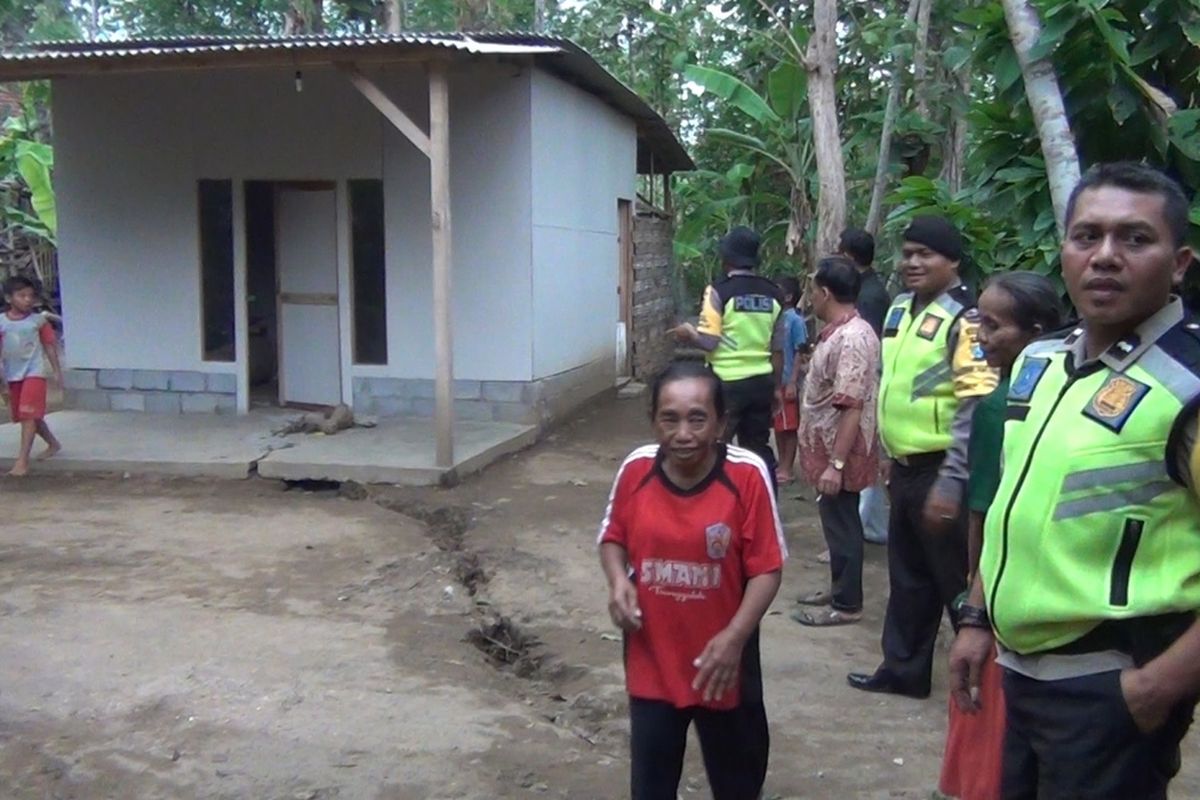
(916, 393)
(1091, 521)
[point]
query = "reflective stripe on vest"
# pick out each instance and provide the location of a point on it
(916, 396)
(1087, 525)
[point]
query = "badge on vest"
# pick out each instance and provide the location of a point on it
(1032, 370)
(930, 325)
(1114, 402)
(892, 326)
(717, 537)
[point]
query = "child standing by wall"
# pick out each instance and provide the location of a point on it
(28, 352)
(787, 418)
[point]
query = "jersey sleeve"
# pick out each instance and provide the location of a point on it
(614, 527)
(46, 333)
(763, 545)
(971, 373)
(710, 313)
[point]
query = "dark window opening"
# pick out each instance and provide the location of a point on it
(216, 269)
(370, 295)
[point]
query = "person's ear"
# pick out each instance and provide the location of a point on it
(1183, 261)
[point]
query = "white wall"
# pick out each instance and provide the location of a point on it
(584, 159)
(490, 212)
(131, 148)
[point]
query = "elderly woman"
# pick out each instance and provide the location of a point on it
(692, 548)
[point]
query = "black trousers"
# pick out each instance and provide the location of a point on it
(1074, 740)
(735, 744)
(926, 571)
(748, 405)
(844, 536)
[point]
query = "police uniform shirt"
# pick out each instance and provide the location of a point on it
(1183, 454)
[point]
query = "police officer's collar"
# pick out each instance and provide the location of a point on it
(735, 272)
(1128, 350)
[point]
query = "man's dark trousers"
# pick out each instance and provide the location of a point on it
(844, 536)
(1074, 739)
(748, 403)
(927, 570)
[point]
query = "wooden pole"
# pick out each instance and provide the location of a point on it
(439, 178)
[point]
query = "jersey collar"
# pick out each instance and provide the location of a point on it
(716, 471)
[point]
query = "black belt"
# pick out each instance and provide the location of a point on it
(921, 460)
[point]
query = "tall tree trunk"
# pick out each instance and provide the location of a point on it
(539, 16)
(394, 16)
(956, 134)
(891, 109)
(821, 64)
(920, 51)
(304, 16)
(1045, 99)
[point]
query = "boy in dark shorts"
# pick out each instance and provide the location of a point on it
(28, 353)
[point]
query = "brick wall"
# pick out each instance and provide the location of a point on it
(654, 309)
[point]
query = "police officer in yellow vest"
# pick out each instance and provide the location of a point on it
(742, 331)
(934, 374)
(1090, 571)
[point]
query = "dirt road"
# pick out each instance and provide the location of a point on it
(176, 639)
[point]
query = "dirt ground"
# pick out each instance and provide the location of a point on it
(185, 639)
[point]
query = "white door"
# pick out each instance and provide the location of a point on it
(306, 255)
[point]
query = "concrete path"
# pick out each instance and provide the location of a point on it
(191, 445)
(399, 451)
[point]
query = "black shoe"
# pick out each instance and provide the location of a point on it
(883, 683)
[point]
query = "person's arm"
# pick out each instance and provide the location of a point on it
(973, 380)
(718, 665)
(1152, 690)
(622, 594)
(707, 335)
(50, 345)
(854, 367)
(763, 552)
(830, 482)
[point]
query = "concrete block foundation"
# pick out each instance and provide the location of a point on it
(151, 391)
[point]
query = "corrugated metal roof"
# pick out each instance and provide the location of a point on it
(658, 148)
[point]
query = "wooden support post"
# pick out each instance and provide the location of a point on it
(439, 179)
(241, 308)
(376, 97)
(668, 199)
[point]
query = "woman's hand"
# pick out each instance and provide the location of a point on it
(623, 605)
(718, 665)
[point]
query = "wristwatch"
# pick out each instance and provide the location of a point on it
(970, 616)
(837, 464)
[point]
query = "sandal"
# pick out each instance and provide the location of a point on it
(827, 618)
(819, 597)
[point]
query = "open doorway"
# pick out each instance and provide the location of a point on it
(261, 293)
(292, 294)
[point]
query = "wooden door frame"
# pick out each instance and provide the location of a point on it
(625, 267)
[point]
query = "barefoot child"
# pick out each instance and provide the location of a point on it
(28, 352)
(787, 418)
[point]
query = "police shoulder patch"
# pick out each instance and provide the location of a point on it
(1022, 386)
(1114, 402)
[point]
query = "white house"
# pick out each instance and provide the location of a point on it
(247, 221)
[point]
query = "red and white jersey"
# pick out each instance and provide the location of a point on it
(691, 553)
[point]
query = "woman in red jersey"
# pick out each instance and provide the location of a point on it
(693, 549)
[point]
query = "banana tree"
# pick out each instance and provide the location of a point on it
(776, 134)
(25, 178)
